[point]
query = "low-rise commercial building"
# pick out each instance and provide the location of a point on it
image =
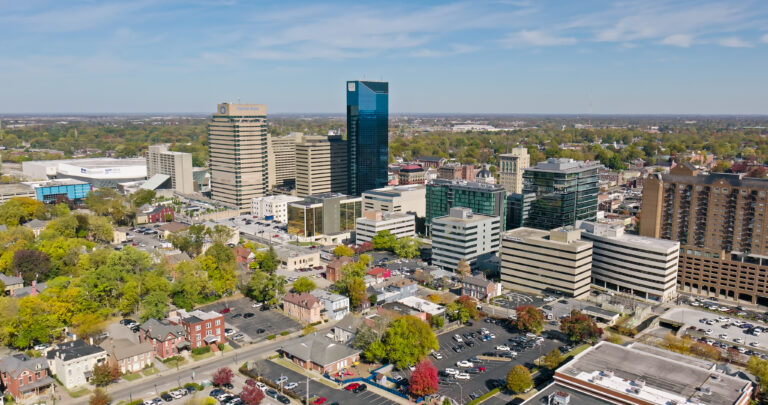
(335, 306)
(625, 375)
(53, 191)
(294, 258)
(464, 235)
(273, 207)
(480, 288)
(320, 354)
(128, 356)
(372, 222)
(536, 261)
(643, 267)
(327, 214)
(8, 191)
(73, 362)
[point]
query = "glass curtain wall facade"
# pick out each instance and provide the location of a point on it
(348, 213)
(486, 199)
(367, 135)
(566, 191)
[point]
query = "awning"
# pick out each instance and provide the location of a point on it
(211, 338)
(44, 383)
(182, 345)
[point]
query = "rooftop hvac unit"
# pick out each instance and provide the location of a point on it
(635, 390)
(706, 390)
(560, 398)
(639, 383)
(608, 373)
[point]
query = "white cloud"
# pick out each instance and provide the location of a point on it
(71, 19)
(734, 42)
(764, 39)
(455, 49)
(536, 38)
(681, 40)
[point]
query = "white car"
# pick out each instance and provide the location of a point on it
(754, 344)
(458, 339)
(176, 394)
(281, 380)
(261, 385)
(695, 304)
(708, 332)
(464, 363)
(462, 376)
(503, 348)
(437, 355)
(530, 335)
(291, 385)
(723, 336)
(451, 371)
(738, 340)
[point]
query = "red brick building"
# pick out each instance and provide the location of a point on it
(168, 339)
(333, 269)
(25, 377)
(161, 213)
(202, 328)
(379, 273)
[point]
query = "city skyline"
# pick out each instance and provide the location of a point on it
(659, 57)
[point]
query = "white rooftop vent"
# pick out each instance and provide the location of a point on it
(608, 373)
(560, 398)
(635, 390)
(639, 383)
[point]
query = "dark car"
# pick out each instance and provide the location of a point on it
(271, 393)
(228, 386)
(445, 380)
(236, 316)
(283, 399)
(456, 349)
(248, 315)
(216, 392)
(360, 388)
(470, 343)
(127, 321)
(166, 397)
(260, 331)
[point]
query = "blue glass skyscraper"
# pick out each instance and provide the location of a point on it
(367, 135)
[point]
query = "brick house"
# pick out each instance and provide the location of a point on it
(128, 356)
(320, 354)
(333, 269)
(166, 338)
(202, 328)
(25, 377)
(480, 288)
(305, 307)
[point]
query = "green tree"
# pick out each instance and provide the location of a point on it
(267, 261)
(407, 340)
(219, 263)
(154, 305)
(100, 229)
(99, 397)
(383, 240)
(375, 352)
(519, 379)
(265, 287)
(553, 359)
(18, 210)
(102, 375)
(190, 286)
(343, 250)
(357, 292)
(303, 284)
(142, 196)
(437, 322)
(462, 309)
(406, 247)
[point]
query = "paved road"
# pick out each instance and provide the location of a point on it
(147, 387)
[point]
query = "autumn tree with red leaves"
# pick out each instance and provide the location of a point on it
(222, 376)
(529, 319)
(424, 379)
(251, 394)
(580, 328)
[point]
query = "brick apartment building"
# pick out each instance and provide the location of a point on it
(24, 377)
(202, 328)
(305, 307)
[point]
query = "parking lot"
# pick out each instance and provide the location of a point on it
(257, 327)
(722, 330)
(273, 371)
(496, 371)
(512, 300)
(258, 227)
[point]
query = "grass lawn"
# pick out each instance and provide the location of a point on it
(132, 376)
(149, 371)
(198, 357)
(578, 350)
(175, 363)
(227, 348)
(80, 392)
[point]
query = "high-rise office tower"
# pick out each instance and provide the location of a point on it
(321, 165)
(566, 191)
(367, 135)
(238, 145)
(511, 167)
(481, 198)
(721, 222)
(176, 165)
(282, 160)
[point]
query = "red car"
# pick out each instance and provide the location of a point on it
(224, 311)
(320, 400)
(276, 236)
(352, 386)
(481, 368)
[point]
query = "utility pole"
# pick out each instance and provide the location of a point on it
(306, 399)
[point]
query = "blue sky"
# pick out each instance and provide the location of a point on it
(602, 57)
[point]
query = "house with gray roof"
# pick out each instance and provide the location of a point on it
(320, 354)
(24, 377)
(73, 362)
(346, 329)
(128, 356)
(36, 226)
(166, 337)
(12, 283)
(33, 290)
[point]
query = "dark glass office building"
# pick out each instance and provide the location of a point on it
(481, 198)
(566, 191)
(367, 135)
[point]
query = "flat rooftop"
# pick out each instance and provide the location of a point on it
(576, 397)
(564, 165)
(15, 188)
(517, 235)
(95, 163)
(611, 232)
(651, 377)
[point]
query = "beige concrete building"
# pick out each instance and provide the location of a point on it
(511, 168)
(537, 261)
(410, 199)
(282, 159)
(176, 165)
(321, 165)
(8, 191)
(238, 144)
(372, 222)
(465, 235)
